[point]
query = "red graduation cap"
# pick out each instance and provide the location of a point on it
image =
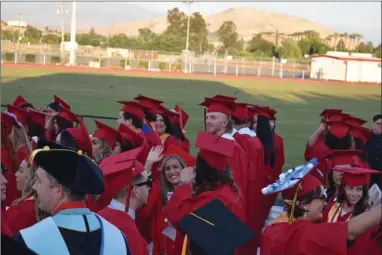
(241, 111)
(328, 112)
(61, 102)
(356, 176)
(338, 117)
(21, 114)
(153, 139)
(344, 157)
(120, 170)
(218, 105)
(354, 121)
(272, 112)
(252, 111)
(337, 127)
(37, 117)
(170, 114)
(134, 108)
(107, 133)
(81, 135)
(174, 150)
(306, 185)
(265, 111)
(214, 149)
(68, 115)
(148, 102)
(223, 97)
(361, 132)
(130, 135)
(20, 101)
(183, 116)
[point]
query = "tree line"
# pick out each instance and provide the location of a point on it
(229, 42)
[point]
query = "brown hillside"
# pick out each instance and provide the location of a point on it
(248, 21)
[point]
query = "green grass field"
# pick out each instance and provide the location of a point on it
(298, 103)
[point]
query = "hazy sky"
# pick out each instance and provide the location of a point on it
(363, 17)
(351, 17)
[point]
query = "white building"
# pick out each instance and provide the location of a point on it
(16, 23)
(354, 68)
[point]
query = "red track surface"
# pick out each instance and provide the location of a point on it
(177, 74)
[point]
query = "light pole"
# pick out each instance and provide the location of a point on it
(62, 13)
(72, 56)
(188, 33)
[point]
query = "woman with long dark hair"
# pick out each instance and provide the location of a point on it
(210, 179)
(167, 132)
(59, 121)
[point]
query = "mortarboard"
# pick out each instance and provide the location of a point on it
(265, 111)
(328, 112)
(37, 117)
(174, 150)
(61, 102)
(20, 101)
(153, 139)
(183, 116)
(68, 115)
(306, 185)
(361, 132)
(134, 108)
(337, 128)
(252, 111)
(354, 121)
(241, 111)
(218, 105)
(107, 133)
(343, 157)
(21, 114)
(119, 171)
(214, 149)
(130, 135)
(223, 97)
(71, 168)
(355, 176)
(272, 112)
(81, 135)
(148, 102)
(170, 114)
(214, 229)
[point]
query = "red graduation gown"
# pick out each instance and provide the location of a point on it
(253, 185)
(320, 151)
(154, 216)
(126, 224)
(21, 216)
(367, 243)
(304, 238)
(183, 202)
(186, 145)
(4, 225)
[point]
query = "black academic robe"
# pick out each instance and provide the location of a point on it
(78, 243)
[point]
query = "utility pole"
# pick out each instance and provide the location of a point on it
(62, 11)
(20, 18)
(188, 32)
(72, 56)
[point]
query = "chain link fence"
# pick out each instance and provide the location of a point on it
(209, 63)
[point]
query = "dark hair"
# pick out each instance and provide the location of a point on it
(332, 188)
(236, 121)
(137, 123)
(126, 146)
(169, 126)
(55, 106)
(362, 204)
(63, 123)
(209, 178)
(150, 117)
(377, 117)
(178, 132)
(27, 105)
(335, 143)
(360, 145)
(68, 140)
(36, 130)
(266, 136)
(304, 199)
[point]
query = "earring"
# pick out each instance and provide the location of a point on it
(304, 215)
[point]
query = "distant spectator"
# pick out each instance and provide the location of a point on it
(374, 148)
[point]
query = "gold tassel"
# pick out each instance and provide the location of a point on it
(185, 243)
(291, 217)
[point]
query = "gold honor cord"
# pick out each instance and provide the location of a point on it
(185, 241)
(46, 148)
(291, 217)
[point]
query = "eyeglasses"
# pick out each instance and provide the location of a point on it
(148, 183)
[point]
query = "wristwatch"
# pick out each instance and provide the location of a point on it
(183, 182)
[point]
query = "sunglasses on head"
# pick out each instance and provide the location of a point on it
(148, 183)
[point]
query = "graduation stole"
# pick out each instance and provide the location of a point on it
(282, 218)
(335, 212)
(163, 137)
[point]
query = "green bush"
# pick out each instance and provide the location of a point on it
(124, 62)
(163, 66)
(55, 60)
(9, 56)
(30, 58)
(143, 64)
